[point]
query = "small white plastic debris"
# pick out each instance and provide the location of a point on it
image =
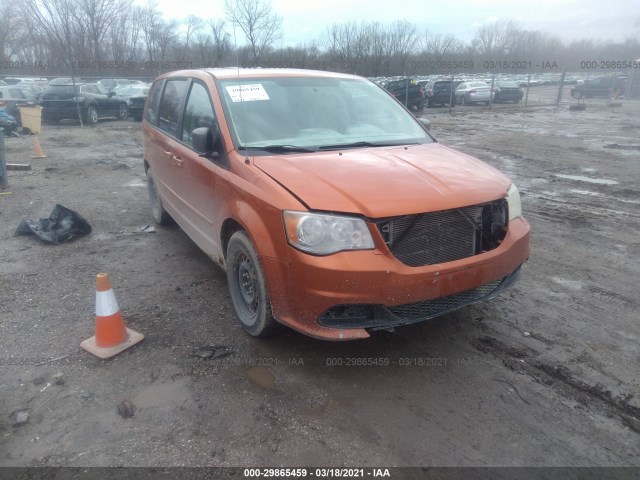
(526, 334)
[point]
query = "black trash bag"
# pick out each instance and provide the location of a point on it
(62, 225)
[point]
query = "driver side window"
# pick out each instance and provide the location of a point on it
(198, 112)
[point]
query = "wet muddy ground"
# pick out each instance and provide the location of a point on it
(545, 374)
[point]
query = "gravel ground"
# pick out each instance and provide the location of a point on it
(545, 374)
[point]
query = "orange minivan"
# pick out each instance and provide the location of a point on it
(328, 204)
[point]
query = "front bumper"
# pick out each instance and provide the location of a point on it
(378, 317)
(303, 291)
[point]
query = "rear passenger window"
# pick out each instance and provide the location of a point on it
(152, 102)
(198, 113)
(169, 112)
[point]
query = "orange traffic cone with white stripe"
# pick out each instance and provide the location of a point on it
(112, 337)
(37, 149)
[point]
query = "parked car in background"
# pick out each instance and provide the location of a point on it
(11, 96)
(113, 83)
(507, 91)
(610, 86)
(32, 87)
(12, 80)
(62, 100)
(438, 92)
(408, 92)
(135, 96)
(473, 92)
(330, 207)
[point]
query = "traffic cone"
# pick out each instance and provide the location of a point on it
(37, 149)
(112, 337)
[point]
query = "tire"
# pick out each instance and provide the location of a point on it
(123, 111)
(92, 115)
(248, 288)
(160, 215)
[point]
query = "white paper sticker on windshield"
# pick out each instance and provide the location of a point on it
(247, 93)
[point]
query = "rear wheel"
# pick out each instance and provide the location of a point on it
(248, 288)
(160, 215)
(123, 111)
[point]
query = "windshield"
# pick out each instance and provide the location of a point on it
(314, 113)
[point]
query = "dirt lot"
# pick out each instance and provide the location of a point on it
(545, 374)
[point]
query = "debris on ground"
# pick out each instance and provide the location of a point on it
(18, 166)
(62, 225)
(126, 409)
(58, 379)
(19, 418)
(147, 229)
(211, 351)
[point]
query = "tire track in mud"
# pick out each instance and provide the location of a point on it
(520, 360)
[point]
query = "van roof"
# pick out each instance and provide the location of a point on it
(233, 72)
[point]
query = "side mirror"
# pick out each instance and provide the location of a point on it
(204, 139)
(111, 94)
(425, 123)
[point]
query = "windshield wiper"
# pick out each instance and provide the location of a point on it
(362, 144)
(278, 148)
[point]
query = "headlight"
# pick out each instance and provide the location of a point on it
(323, 234)
(513, 199)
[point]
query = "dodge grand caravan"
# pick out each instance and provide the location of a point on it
(330, 207)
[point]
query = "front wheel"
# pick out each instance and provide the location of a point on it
(92, 115)
(248, 288)
(160, 215)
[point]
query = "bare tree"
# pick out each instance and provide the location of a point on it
(58, 22)
(125, 37)
(495, 38)
(9, 25)
(402, 40)
(193, 25)
(441, 45)
(97, 17)
(259, 23)
(150, 24)
(220, 38)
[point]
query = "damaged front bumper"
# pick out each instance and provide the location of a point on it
(377, 317)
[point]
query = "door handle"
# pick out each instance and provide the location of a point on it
(168, 153)
(178, 161)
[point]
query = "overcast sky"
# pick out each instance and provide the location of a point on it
(305, 20)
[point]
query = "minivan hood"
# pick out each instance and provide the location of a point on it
(386, 181)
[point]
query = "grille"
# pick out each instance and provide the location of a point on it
(445, 236)
(438, 306)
